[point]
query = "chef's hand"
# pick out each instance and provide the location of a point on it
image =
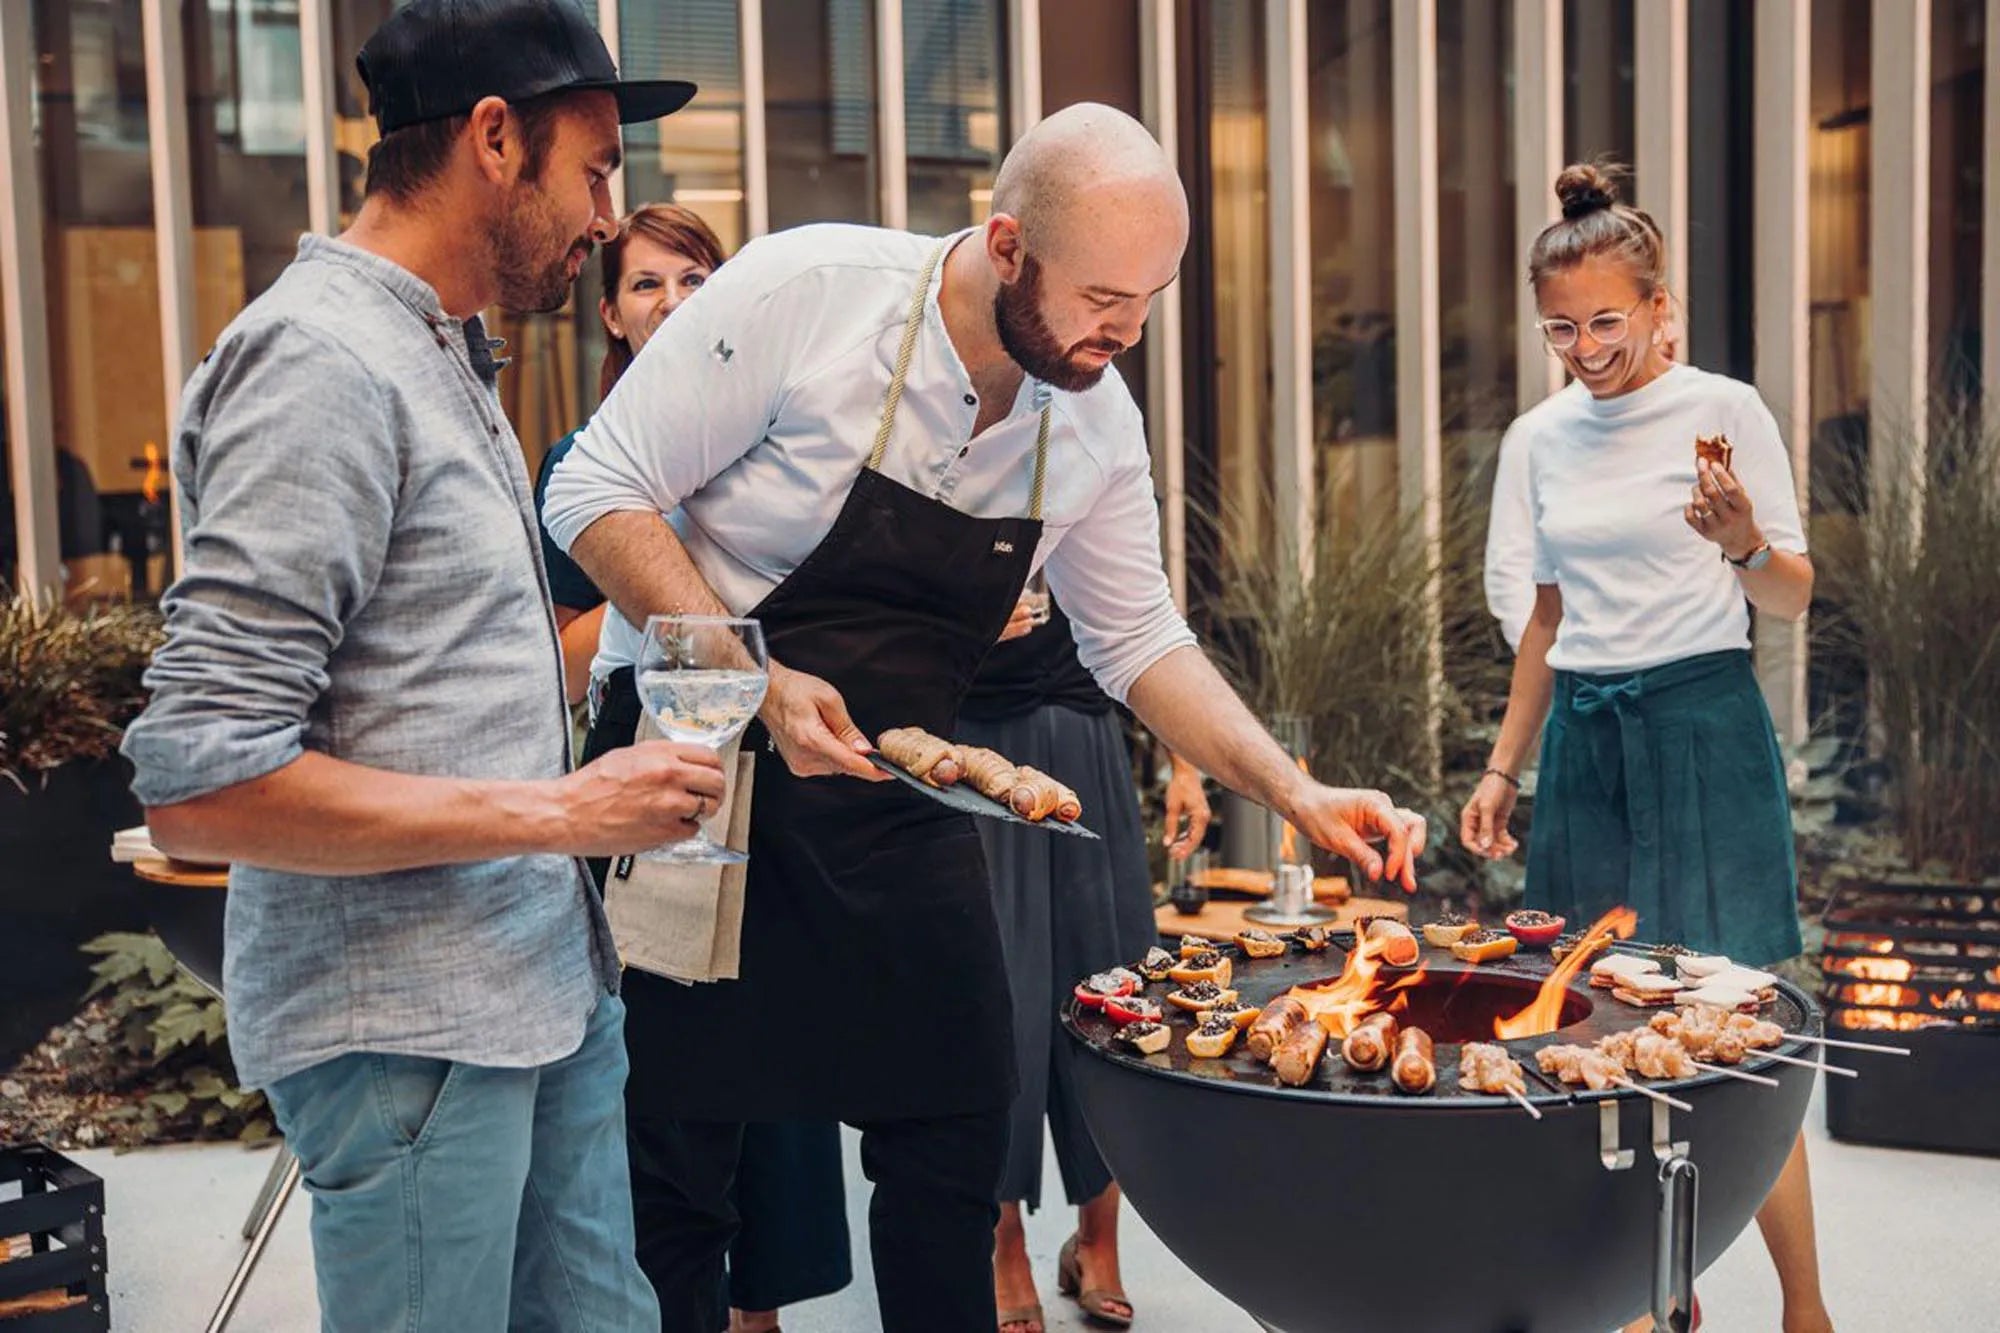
(1345, 819)
(1482, 825)
(1021, 623)
(1185, 800)
(808, 721)
(639, 796)
(1720, 510)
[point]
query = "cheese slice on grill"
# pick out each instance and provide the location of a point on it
(1618, 967)
(1719, 997)
(1646, 988)
(1699, 966)
(1763, 984)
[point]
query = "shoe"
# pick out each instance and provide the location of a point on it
(1096, 1302)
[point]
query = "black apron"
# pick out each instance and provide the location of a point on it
(872, 985)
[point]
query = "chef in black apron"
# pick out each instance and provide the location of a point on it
(872, 986)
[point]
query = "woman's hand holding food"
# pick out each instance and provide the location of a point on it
(1720, 510)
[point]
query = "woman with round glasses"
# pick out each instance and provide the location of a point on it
(1661, 784)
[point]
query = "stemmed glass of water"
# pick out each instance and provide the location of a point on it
(701, 679)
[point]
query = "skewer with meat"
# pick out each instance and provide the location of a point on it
(1281, 1017)
(1368, 1047)
(931, 759)
(1485, 1067)
(1703, 1041)
(1415, 1066)
(1298, 1054)
(1580, 1065)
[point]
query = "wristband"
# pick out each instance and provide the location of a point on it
(1505, 777)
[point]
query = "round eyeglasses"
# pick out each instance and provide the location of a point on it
(1606, 330)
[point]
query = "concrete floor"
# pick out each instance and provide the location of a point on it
(1907, 1242)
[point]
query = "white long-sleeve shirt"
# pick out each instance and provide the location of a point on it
(749, 414)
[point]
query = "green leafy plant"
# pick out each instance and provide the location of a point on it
(69, 680)
(1914, 596)
(173, 1035)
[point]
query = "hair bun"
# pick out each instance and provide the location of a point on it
(1584, 189)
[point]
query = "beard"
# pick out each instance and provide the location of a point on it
(531, 254)
(1032, 344)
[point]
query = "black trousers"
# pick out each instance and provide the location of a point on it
(930, 1220)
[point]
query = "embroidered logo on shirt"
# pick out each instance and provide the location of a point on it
(723, 351)
(1003, 547)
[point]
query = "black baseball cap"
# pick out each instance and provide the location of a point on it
(437, 58)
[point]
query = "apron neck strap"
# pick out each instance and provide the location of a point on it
(906, 351)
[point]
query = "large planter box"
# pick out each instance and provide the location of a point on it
(58, 888)
(59, 1285)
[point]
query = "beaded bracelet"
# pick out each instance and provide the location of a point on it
(1505, 777)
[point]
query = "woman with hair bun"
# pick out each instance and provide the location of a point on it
(1661, 783)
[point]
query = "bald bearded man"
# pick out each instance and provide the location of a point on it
(869, 440)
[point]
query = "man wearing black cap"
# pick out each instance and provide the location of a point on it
(359, 706)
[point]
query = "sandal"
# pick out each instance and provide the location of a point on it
(1097, 1302)
(1022, 1319)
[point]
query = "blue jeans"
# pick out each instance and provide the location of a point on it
(501, 1196)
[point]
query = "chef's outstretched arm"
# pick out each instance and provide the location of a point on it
(640, 563)
(1184, 701)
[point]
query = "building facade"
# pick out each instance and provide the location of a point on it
(1351, 332)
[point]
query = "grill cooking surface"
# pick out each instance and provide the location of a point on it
(1457, 1004)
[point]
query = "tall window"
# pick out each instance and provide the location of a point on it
(104, 296)
(1958, 179)
(819, 90)
(1351, 138)
(695, 156)
(954, 103)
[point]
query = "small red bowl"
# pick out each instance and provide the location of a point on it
(1536, 930)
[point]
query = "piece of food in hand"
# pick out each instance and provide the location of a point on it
(1448, 929)
(988, 772)
(1715, 448)
(1279, 1019)
(1485, 946)
(1606, 973)
(1395, 945)
(1569, 943)
(1486, 1067)
(1035, 796)
(1259, 944)
(931, 759)
(1208, 965)
(1237, 1012)
(1157, 964)
(1199, 997)
(1646, 990)
(1415, 1067)
(1093, 990)
(1144, 1037)
(1701, 966)
(1298, 1055)
(1535, 929)
(1212, 1039)
(1132, 1009)
(1369, 1046)
(1313, 939)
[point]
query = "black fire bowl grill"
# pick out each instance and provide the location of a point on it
(1345, 1205)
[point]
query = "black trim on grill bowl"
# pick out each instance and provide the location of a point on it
(1320, 1210)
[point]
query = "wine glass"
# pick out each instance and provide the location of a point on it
(701, 679)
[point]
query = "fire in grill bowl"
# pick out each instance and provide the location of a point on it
(1345, 1205)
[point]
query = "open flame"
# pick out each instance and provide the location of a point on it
(1544, 1012)
(1288, 841)
(150, 487)
(1357, 992)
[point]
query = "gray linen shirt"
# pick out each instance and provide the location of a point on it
(362, 577)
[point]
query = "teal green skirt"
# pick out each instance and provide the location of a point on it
(1664, 790)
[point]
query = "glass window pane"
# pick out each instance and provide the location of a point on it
(1597, 84)
(954, 110)
(103, 290)
(1352, 192)
(694, 157)
(819, 118)
(1958, 180)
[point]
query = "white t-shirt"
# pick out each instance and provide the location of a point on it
(1608, 480)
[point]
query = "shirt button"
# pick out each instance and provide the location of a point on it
(971, 400)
